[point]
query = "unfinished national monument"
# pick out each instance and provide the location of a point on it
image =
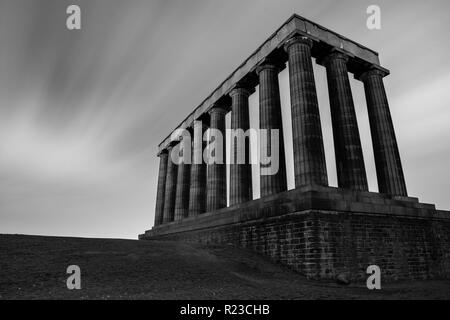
(315, 229)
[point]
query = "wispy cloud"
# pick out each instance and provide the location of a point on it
(81, 112)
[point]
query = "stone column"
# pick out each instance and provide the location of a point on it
(216, 173)
(159, 210)
(269, 119)
(309, 155)
(240, 171)
(197, 195)
(387, 158)
(351, 172)
(183, 186)
(171, 187)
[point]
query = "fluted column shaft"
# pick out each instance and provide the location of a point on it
(183, 187)
(216, 172)
(269, 119)
(309, 155)
(159, 210)
(171, 188)
(351, 172)
(387, 157)
(240, 173)
(197, 195)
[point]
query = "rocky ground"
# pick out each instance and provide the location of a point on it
(33, 267)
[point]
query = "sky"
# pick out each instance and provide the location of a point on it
(82, 111)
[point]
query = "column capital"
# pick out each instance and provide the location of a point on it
(333, 55)
(161, 152)
(265, 66)
(269, 63)
(372, 70)
(217, 108)
(297, 39)
(237, 89)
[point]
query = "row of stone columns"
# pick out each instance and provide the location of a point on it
(191, 189)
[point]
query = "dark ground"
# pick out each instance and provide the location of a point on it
(33, 267)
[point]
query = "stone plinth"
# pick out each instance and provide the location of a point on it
(322, 231)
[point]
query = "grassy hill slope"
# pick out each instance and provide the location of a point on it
(35, 267)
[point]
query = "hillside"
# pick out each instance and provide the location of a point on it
(35, 267)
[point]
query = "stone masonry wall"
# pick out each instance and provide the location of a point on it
(322, 244)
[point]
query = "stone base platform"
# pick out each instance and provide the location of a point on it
(324, 231)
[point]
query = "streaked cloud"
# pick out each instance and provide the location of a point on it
(81, 112)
